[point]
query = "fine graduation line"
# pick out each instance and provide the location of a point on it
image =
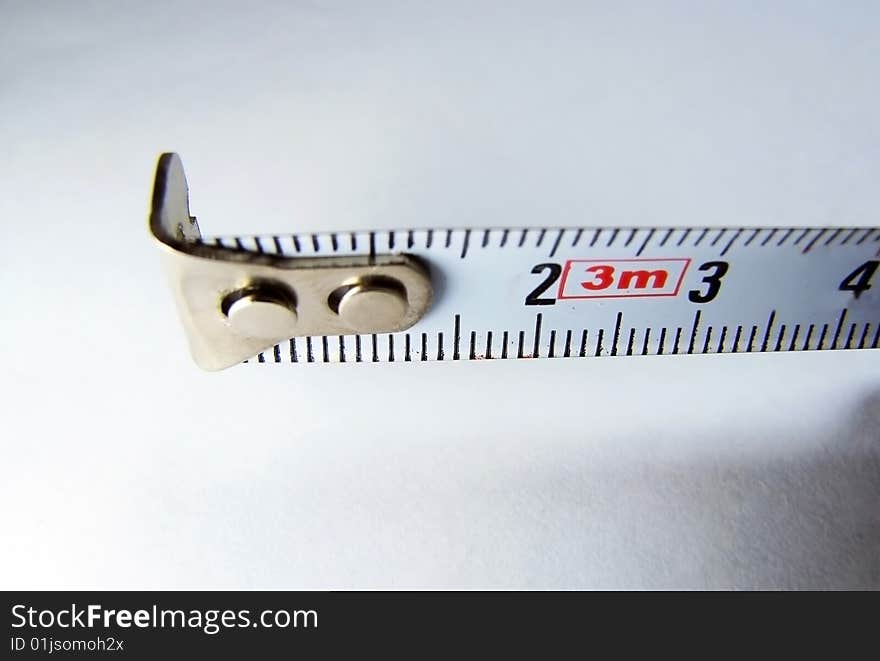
(331, 242)
(762, 338)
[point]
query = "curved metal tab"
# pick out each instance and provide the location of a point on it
(215, 286)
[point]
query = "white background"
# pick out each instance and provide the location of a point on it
(123, 465)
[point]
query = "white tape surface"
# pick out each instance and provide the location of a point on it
(568, 292)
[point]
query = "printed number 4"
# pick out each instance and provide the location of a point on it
(860, 279)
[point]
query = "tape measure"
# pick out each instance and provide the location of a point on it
(418, 295)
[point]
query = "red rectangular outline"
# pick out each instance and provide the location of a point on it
(564, 279)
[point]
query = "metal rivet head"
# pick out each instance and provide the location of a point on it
(373, 302)
(261, 311)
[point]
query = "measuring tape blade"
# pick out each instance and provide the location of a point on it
(585, 292)
(507, 293)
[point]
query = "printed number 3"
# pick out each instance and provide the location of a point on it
(719, 269)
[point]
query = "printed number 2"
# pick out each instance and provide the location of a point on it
(719, 269)
(555, 270)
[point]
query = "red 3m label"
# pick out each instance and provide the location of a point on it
(617, 278)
